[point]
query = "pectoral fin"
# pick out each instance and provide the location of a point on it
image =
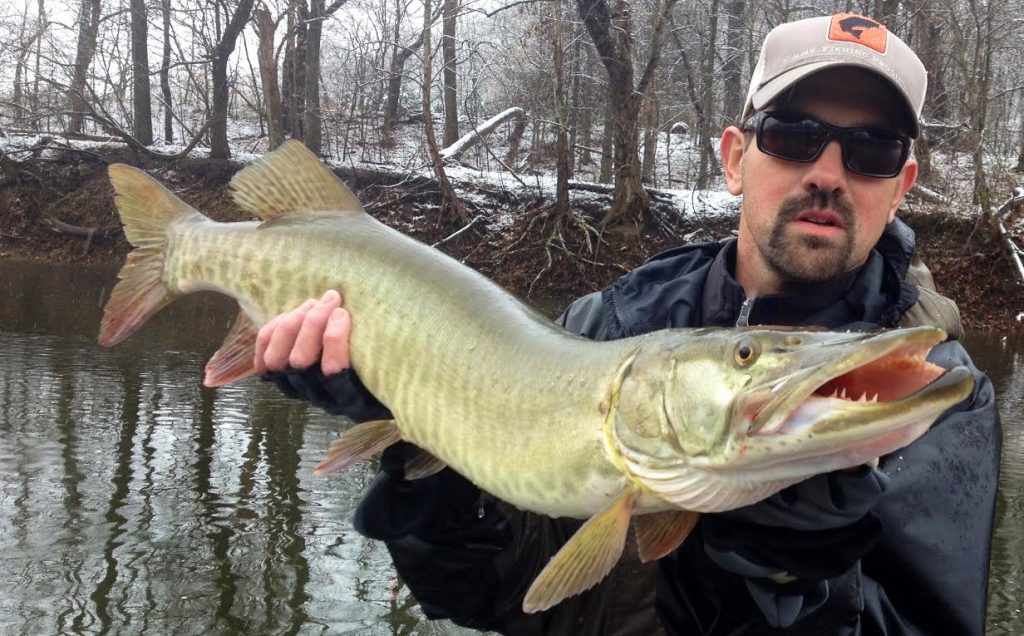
(234, 360)
(659, 533)
(359, 442)
(422, 464)
(587, 558)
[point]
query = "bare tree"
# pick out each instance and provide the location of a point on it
(450, 10)
(266, 26)
(219, 147)
(88, 27)
(561, 207)
(165, 72)
(450, 206)
(142, 117)
(732, 60)
(399, 55)
(312, 127)
(611, 32)
(293, 78)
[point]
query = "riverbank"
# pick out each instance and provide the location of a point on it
(61, 210)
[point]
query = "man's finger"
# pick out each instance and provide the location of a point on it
(283, 337)
(306, 349)
(336, 346)
(262, 340)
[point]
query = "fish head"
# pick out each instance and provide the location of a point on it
(745, 413)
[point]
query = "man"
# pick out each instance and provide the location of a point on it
(822, 160)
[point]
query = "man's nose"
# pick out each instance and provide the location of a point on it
(827, 173)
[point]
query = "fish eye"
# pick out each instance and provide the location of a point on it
(746, 352)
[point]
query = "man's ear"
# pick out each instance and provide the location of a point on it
(732, 147)
(906, 180)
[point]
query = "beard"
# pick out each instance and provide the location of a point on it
(810, 259)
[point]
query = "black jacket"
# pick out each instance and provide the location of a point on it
(899, 550)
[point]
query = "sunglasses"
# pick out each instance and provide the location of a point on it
(872, 152)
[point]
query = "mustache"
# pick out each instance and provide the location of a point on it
(798, 204)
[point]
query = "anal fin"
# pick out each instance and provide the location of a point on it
(359, 442)
(659, 533)
(234, 360)
(422, 464)
(588, 557)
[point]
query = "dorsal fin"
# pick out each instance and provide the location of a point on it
(291, 179)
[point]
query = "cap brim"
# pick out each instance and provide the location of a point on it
(772, 89)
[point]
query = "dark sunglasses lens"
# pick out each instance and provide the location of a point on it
(793, 139)
(874, 153)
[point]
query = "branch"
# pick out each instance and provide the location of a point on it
(656, 40)
(509, 6)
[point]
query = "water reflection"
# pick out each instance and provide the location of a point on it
(134, 500)
(1001, 359)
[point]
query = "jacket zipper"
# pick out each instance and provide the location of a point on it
(743, 320)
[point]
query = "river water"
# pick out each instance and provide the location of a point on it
(132, 500)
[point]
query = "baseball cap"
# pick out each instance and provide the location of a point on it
(795, 50)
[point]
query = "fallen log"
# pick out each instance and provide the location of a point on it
(1011, 246)
(473, 137)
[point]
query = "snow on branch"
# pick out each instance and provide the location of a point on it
(470, 139)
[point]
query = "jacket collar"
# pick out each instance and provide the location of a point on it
(723, 298)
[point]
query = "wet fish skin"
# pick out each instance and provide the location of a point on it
(652, 429)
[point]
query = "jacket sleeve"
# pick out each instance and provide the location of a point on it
(338, 394)
(929, 573)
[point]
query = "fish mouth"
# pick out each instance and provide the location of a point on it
(863, 397)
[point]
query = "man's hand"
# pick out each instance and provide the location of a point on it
(316, 329)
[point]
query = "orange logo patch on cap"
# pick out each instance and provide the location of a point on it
(849, 27)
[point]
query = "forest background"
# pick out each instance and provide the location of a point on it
(601, 122)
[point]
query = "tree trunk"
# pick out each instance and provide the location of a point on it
(607, 145)
(574, 105)
(979, 111)
(451, 95)
(142, 123)
(219, 148)
(706, 150)
(165, 73)
(561, 207)
(294, 76)
(450, 205)
(88, 27)
(732, 64)
(311, 121)
(34, 96)
(651, 126)
(265, 28)
(394, 91)
(512, 156)
(708, 165)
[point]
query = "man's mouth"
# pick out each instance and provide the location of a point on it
(822, 218)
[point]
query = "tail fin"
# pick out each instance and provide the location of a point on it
(147, 211)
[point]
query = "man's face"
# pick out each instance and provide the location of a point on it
(810, 222)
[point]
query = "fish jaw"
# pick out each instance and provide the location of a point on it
(831, 433)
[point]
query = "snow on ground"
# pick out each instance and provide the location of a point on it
(408, 156)
(356, 144)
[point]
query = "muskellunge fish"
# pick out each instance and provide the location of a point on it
(652, 429)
